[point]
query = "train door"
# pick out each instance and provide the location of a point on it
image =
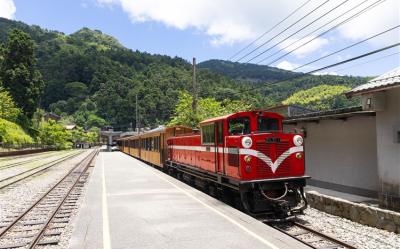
(219, 146)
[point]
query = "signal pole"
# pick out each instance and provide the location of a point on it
(194, 103)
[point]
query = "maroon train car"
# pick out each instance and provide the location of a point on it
(245, 155)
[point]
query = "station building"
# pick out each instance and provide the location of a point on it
(357, 150)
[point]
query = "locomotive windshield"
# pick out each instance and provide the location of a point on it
(239, 126)
(265, 124)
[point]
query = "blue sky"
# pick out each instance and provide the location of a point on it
(216, 29)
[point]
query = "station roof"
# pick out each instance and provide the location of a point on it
(385, 81)
(342, 113)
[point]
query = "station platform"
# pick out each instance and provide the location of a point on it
(129, 204)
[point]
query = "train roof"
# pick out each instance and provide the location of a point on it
(231, 115)
(160, 129)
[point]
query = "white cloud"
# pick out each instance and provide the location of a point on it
(326, 73)
(228, 22)
(374, 21)
(7, 9)
(287, 65)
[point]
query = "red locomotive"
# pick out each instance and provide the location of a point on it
(246, 155)
(243, 157)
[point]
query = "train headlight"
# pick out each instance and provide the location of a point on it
(298, 140)
(247, 158)
(247, 142)
(248, 168)
(299, 155)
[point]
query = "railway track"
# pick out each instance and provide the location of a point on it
(310, 236)
(10, 158)
(41, 224)
(8, 181)
(35, 159)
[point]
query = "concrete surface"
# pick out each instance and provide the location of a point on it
(345, 196)
(342, 155)
(356, 211)
(131, 205)
(388, 140)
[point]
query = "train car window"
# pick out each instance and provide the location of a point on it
(239, 126)
(208, 134)
(265, 124)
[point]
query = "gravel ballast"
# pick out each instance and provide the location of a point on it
(361, 236)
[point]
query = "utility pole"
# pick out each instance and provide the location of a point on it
(194, 103)
(137, 116)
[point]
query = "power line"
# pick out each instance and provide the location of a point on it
(325, 32)
(303, 17)
(367, 62)
(355, 58)
(282, 49)
(266, 32)
(299, 30)
(340, 50)
(326, 67)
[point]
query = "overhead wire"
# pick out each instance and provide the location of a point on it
(347, 47)
(296, 32)
(369, 7)
(325, 67)
(310, 33)
(269, 30)
(296, 22)
(367, 62)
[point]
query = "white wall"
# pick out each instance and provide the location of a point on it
(387, 124)
(342, 153)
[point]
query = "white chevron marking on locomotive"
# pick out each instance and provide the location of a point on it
(273, 165)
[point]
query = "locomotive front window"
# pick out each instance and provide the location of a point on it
(239, 126)
(265, 124)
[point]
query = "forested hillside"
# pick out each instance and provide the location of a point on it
(256, 75)
(90, 78)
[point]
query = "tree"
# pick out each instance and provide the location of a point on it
(8, 110)
(52, 133)
(76, 89)
(18, 72)
(322, 97)
(207, 108)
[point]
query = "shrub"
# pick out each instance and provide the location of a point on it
(11, 133)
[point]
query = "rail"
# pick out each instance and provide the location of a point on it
(309, 236)
(31, 172)
(45, 210)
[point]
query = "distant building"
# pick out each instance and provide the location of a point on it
(70, 127)
(357, 150)
(289, 110)
(51, 116)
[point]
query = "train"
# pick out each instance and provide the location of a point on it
(244, 158)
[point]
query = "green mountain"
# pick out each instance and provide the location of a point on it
(89, 74)
(273, 84)
(246, 71)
